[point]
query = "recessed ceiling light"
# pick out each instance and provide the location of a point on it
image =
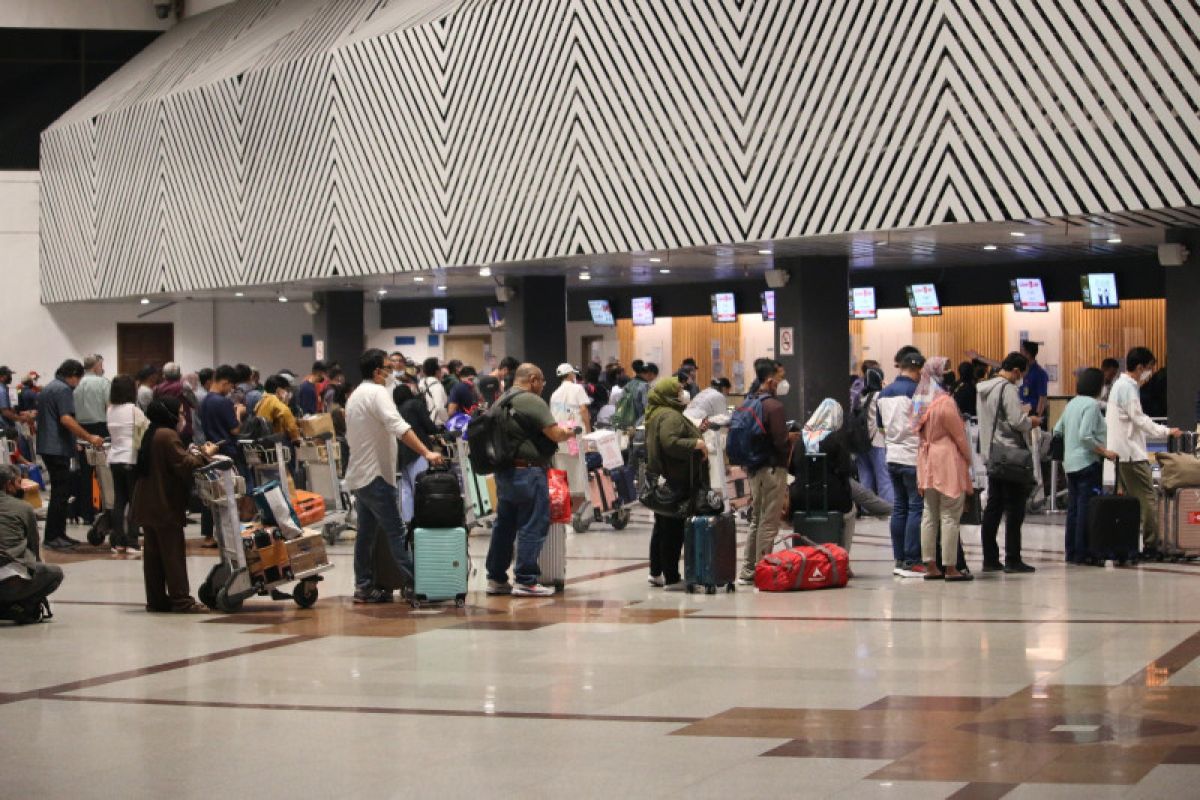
(1114, 240)
(485, 272)
(419, 279)
(441, 288)
(664, 272)
(1017, 234)
(656, 261)
(990, 247)
(585, 276)
(382, 291)
(881, 243)
(764, 252)
(283, 298)
(239, 294)
(145, 301)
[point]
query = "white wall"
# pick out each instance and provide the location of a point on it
(385, 338)
(127, 15)
(882, 337)
(1046, 329)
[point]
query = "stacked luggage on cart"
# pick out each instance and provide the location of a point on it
(612, 485)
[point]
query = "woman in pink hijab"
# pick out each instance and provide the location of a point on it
(943, 470)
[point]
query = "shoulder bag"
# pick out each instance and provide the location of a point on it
(1006, 462)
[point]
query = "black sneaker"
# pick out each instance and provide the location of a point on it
(1018, 568)
(992, 566)
(60, 544)
(74, 542)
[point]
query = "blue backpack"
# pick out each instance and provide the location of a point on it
(748, 444)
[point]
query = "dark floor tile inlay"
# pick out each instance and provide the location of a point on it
(983, 791)
(801, 748)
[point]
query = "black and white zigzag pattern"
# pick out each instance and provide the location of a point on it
(273, 140)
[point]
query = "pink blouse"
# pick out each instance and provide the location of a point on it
(944, 455)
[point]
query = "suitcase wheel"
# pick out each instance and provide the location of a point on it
(580, 524)
(620, 519)
(731, 588)
(710, 589)
(691, 588)
(305, 594)
(460, 601)
(95, 536)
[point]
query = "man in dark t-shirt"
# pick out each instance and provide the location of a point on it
(57, 432)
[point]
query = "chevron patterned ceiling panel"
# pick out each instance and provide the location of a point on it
(277, 140)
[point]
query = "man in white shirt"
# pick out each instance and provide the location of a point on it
(1128, 426)
(373, 424)
(570, 400)
(710, 404)
(431, 390)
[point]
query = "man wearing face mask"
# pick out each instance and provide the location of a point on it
(274, 408)
(768, 483)
(895, 412)
(1128, 426)
(24, 578)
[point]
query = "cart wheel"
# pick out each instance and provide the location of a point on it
(330, 534)
(414, 602)
(580, 524)
(460, 601)
(305, 594)
(620, 520)
(226, 603)
(710, 589)
(95, 536)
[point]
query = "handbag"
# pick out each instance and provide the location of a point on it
(1006, 462)
(697, 499)
(139, 430)
(560, 496)
(1058, 447)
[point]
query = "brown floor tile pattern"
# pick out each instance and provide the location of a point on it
(983, 791)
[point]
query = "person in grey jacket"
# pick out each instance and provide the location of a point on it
(1004, 420)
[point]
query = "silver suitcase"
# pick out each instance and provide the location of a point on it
(1184, 521)
(553, 560)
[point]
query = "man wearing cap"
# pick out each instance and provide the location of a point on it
(570, 401)
(23, 575)
(895, 411)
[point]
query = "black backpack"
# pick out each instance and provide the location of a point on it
(438, 500)
(490, 445)
(254, 428)
(858, 429)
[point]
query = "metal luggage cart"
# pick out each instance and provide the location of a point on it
(229, 582)
(476, 492)
(575, 465)
(269, 459)
(97, 459)
(323, 469)
(613, 512)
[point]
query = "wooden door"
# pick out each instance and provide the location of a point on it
(468, 349)
(142, 343)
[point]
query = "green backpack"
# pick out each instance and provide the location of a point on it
(626, 416)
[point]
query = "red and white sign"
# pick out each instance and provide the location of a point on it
(1031, 294)
(1194, 518)
(787, 341)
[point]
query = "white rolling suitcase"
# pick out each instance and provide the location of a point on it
(553, 559)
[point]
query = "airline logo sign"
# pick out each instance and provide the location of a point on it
(1194, 518)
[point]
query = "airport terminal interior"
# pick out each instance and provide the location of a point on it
(866, 458)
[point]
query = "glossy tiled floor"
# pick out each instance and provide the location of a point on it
(1074, 682)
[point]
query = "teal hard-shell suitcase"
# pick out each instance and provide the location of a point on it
(441, 565)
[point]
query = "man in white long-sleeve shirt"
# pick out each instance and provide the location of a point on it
(373, 425)
(1128, 426)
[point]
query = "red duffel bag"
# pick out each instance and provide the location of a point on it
(813, 566)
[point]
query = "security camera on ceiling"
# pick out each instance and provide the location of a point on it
(162, 8)
(777, 278)
(503, 294)
(1172, 255)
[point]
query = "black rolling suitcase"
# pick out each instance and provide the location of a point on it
(710, 553)
(1114, 523)
(819, 526)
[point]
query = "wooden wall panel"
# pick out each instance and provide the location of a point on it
(858, 329)
(694, 336)
(959, 329)
(626, 342)
(1091, 335)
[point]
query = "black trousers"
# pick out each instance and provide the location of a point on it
(83, 508)
(60, 476)
(45, 579)
(666, 545)
(1006, 499)
(124, 532)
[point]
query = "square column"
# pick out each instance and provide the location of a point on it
(1183, 333)
(814, 306)
(535, 323)
(340, 325)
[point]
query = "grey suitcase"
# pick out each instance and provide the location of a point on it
(553, 559)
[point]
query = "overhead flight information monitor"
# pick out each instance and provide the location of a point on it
(1099, 290)
(862, 303)
(439, 320)
(643, 311)
(1028, 295)
(602, 314)
(923, 300)
(768, 305)
(495, 316)
(724, 307)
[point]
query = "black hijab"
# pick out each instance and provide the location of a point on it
(162, 413)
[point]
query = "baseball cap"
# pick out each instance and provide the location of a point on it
(5, 371)
(913, 360)
(565, 369)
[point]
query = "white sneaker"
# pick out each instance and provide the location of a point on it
(745, 581)
(678, 586)
(499, 587)
(532, 590)
(656, 580)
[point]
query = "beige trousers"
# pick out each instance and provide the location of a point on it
(944, 512)
(768, 491)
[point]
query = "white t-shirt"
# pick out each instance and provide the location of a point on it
(373, 426)
(566, 402)
(121, 422)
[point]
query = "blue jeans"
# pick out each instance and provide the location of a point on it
(408, 488)
(378, 510)
(1082, 486)
(907, 509)
(873, 473)
(523, 515)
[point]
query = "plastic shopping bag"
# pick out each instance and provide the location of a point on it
(560, 497)
(276, 510)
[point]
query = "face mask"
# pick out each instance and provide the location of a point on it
(1145, 376)
(286, 397)
(15, 490)
(782, 389)
(397, 374)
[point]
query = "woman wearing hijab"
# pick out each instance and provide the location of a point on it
(671, 442)
(943, 470)
(823, 434)
(160, 499)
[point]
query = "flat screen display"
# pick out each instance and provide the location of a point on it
(923, 300)
(862, 303)
(602, 315)
(1099, 290)
(1027, 294)
(643, 311)
(768, 305)
(724, 307)
(496, 318)
(439, 320)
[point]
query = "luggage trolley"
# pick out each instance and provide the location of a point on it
(607, 504)
(571, 458)
(97, 459)
(479, 491)
(269, 459)
(321, 459)
(229, 582)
